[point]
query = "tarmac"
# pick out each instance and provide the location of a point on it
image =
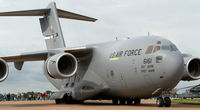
(89, 105)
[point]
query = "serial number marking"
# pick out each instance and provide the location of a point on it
(143, 71)
(147, 61)
(151, 70)
(150, 66)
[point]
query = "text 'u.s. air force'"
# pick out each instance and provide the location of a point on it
(133, 52)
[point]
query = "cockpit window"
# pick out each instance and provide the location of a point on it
(149, 49)
(169, 47)
(156, 48)
(166, 47)
(173, 47)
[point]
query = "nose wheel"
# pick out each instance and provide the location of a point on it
(163, 102)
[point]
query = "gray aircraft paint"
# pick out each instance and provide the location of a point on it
(119, 69)
(50, 26)
(123, 77)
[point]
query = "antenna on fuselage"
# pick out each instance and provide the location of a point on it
(148, 34)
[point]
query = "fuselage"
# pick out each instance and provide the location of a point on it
(140, 67)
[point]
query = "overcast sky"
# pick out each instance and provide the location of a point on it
(176, 20)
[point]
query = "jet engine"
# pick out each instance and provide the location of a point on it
(61, 66)
(191, 68)
(3, 70)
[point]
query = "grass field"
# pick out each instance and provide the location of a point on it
(186, 101)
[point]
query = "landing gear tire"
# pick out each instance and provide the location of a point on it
(122, 101)
(115, 101)
(160, 102)
(58, 101)
(167, 101)
(137, 101)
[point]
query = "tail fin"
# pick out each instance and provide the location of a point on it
(50, 24)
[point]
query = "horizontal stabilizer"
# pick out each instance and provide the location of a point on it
(38, 12)
(70, 15)
(43, 12)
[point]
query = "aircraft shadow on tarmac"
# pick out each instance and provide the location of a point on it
(110, 104)
(100, 104)
(143, 105)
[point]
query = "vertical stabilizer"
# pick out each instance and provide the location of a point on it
(50, 23)
(51, 28)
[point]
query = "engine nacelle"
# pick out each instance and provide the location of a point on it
(61, 66)
(191, 68)
(3, 70)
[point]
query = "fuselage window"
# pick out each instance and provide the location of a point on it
(149, 49)
(156, 48)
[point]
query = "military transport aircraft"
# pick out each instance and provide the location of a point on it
(124, 71)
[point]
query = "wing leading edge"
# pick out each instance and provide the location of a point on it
(81, 53)
(35, 56)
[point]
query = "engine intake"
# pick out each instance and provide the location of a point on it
(3, 70)
(191, 68)
(61, 66)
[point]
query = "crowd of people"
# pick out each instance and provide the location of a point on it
(26, 96)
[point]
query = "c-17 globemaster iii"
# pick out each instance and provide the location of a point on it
(124, 71)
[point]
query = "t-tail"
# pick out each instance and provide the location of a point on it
(50, 24)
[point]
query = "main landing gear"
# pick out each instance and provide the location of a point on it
(68, 100)
(60, 101)
(163, 102)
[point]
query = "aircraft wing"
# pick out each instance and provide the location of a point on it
(35, 56)
(81, 53)
(21, 58)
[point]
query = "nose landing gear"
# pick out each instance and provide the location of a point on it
(163, 102)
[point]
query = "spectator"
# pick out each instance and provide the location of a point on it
(8, 97)
(1, 97)
(14, 98)
(43, 96)
(22, 96)
(39, 96)
(34, 97)
(46, 96)
(29, 97)
(5, 97)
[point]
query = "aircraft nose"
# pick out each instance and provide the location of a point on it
(174, 66)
